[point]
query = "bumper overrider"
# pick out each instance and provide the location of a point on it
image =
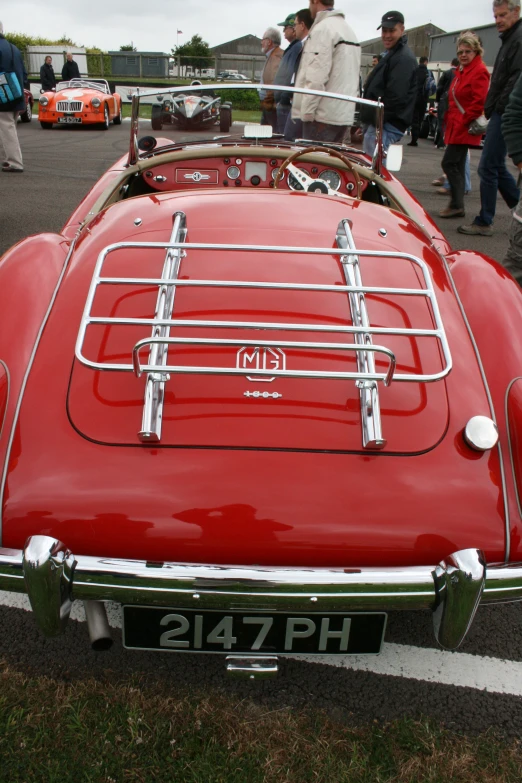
(53, 577)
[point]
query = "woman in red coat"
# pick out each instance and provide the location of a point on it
(466, 99)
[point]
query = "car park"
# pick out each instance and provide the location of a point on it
(80, 102)
(277, 406)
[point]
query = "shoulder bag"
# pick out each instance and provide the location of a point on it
(11, 91)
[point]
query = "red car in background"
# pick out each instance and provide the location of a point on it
(27, 114)
(252, 395)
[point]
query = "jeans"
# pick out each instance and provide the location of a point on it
(283, 112)
(494, 175)
(390, 135)
(467, 173)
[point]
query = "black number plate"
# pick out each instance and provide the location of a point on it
(187, 630)
(69, 120)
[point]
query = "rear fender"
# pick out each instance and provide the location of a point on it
(29, 273)
(492, 302)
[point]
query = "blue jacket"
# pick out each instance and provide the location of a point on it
(285, 72)
(11, 60)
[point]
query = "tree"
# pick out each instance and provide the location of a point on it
(128, 48)
(195, 53)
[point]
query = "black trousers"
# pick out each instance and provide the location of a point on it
(454, 166)
(418, 116)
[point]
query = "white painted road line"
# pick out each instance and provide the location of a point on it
(438, 666)
(482, 673)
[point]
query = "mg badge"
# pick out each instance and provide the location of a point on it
(261, 359)
(197, 176)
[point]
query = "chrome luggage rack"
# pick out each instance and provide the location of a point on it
(158, 370)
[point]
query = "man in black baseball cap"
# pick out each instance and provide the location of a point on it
(394, 81)
(390, 19)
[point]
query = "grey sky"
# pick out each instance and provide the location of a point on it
(152, 26)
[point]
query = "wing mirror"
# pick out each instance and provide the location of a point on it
(147, 143)
(393, 160)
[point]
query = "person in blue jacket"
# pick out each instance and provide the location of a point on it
(11, 62)
(286, 71)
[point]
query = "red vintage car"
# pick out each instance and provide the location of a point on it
(27, 114)
(251, 394)
(80, 102)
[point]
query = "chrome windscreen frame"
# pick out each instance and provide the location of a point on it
(134, 151)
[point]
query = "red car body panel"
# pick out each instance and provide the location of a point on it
(223, 486)
(492, 302)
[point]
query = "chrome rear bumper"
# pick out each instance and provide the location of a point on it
(53, 577)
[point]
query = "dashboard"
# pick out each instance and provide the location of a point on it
(244, 172)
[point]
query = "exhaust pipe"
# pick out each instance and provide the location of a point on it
(98, 625)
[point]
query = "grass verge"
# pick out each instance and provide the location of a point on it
(128, 733)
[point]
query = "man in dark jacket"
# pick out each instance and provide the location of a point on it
(492, 169)
(286, 71)
(512, 132)
(47, 77)
(421, 100)
(11, 62)
(441, 97)
(394, 81)
(70, 69)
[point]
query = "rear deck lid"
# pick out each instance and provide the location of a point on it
(261, 351)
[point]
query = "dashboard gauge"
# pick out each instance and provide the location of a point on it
(293, 182)
(274, 174)
(332, 178)
(233, 172)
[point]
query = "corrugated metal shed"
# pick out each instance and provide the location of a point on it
(443, 47)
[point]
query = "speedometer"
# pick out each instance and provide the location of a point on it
(332, 178)
(293, 182)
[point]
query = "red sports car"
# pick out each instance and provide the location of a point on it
(80, 102)
(251, 394)
(27, 114)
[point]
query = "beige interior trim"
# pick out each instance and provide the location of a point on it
(111, 194)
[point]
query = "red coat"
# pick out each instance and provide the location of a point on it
(469, 89)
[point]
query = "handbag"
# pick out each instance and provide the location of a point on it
(478, 127)
(11, 91)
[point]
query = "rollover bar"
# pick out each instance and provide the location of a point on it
(53, 577)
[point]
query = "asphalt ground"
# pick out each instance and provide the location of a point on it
(475, 689)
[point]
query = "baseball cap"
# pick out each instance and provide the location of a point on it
(391, 19)
(289, 21)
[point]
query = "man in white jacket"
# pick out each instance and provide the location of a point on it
(331, 61)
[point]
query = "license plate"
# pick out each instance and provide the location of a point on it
(69, 120)
(213, 631)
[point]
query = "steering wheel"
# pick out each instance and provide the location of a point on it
(314, 185)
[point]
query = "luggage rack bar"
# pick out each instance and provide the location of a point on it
(158, 370)
(155, 385)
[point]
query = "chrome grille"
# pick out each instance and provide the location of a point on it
(69, 106)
